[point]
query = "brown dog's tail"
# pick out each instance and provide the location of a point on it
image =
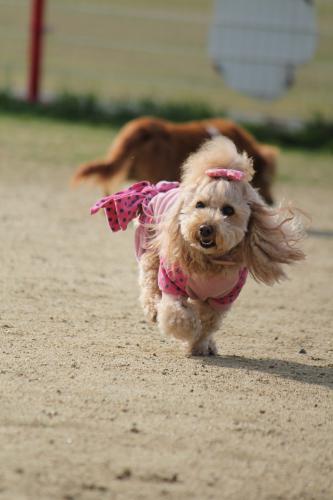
(99, 171)
(117, 165)
(110, 172)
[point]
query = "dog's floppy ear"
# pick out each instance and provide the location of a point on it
(271, 240)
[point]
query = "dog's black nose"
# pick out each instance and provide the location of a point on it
(206, 230)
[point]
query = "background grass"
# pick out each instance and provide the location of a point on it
(313, 135)
(150, 48)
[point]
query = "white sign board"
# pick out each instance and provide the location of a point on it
(257, 44)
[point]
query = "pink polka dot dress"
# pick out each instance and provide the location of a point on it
(149, 204)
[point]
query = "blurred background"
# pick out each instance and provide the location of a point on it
(132, 50)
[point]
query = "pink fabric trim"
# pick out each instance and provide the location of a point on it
(227, 300)
(153, 215)
(172, 281)
(122, 207)
(175, 282)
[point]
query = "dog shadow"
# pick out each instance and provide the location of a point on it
(299, 372)
(320, 233)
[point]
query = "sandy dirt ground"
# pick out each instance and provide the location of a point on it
(95, 404)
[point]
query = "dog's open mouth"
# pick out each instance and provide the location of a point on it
(207, 243)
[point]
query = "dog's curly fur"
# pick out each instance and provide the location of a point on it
(255, 236)
(153, 149)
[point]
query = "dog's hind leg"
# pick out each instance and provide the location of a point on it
(150, 294)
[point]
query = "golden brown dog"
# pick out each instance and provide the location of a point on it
(196, 242)
(154, 149)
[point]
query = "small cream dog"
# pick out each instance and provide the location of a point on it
(197, 241)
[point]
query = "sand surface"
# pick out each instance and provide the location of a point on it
(95, 404)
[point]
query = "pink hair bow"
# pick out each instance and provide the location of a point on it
(122, 207)
(226, 173)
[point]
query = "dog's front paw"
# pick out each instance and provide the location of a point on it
(212, 348)
(177, 318)
(150, 311)
(205, 347)
(149, 305)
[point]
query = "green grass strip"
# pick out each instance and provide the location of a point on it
(314, 134)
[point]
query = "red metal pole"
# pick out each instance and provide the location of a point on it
(35, 56)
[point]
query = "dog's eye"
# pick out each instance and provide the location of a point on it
(227, 210)
(200, 204)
